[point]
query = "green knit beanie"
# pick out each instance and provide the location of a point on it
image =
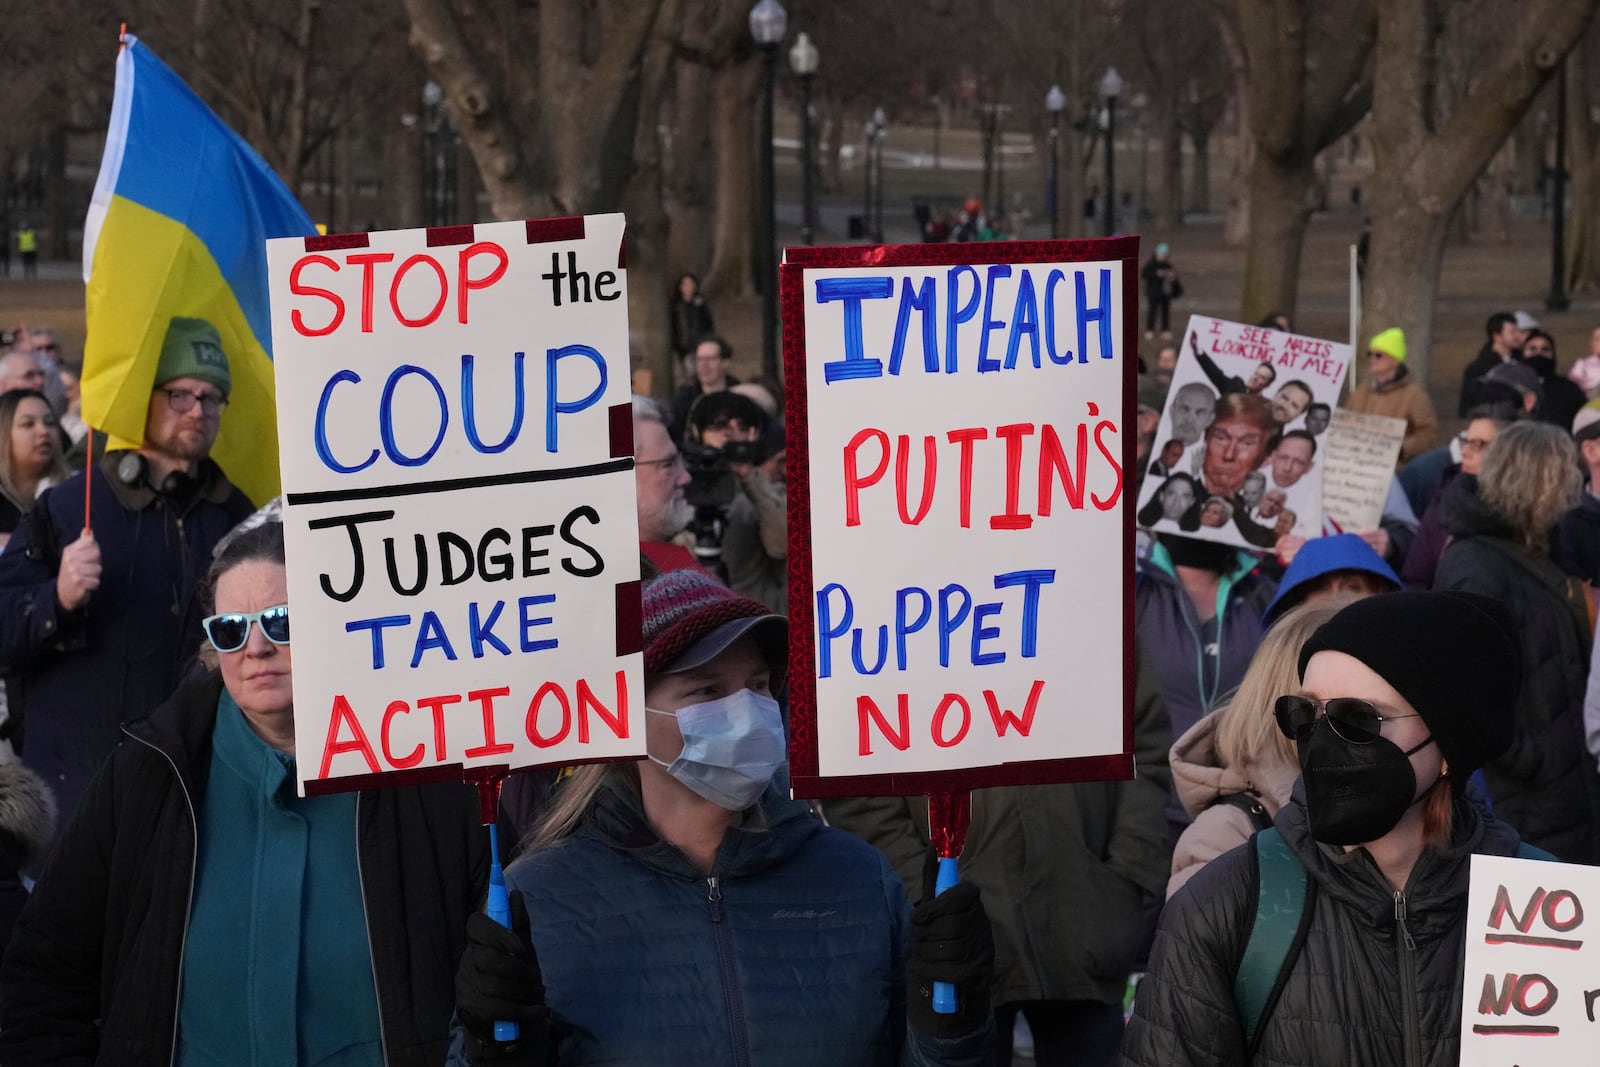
(193, 349)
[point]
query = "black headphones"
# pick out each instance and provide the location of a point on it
(133, 471)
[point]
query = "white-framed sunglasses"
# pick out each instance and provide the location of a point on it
(229, 631)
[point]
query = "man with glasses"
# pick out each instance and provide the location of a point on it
(660, 478)
(98, 617)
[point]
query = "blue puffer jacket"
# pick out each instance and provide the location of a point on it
(790, 953)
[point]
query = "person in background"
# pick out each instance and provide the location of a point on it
(755, 521)
(1422, 560)
(1575, 541)
(647, 880)
(1546, 783)
(30, 455)
(1033, 850)
(690, 316)
(1388, 389)
(21, 369)
(1326, 566)
(1401, 698)
(1514, 385)
(1166, 364)
(712, 357)
(1504, 339)
(660, 478)
(1152, 398)
(1560, 398)
(1198, 607)
(1276, 320)
(1234, 769)
(1161, 287)
(98, 627)
(71, 416)
(196, 911)
(1585, 372)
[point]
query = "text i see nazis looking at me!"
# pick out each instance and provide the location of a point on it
(459, 498)
(966, 513)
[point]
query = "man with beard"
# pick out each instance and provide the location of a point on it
(99, 621)
(659, 477)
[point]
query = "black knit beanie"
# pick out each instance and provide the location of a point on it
(1455, 657)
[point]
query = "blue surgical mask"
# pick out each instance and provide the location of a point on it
(731, 748)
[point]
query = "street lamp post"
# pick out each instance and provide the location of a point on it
(1110, 89)
(870, 134)
(1557, 298)
(803, 59)
(880, 122)
(768, 23)
(1054, 101)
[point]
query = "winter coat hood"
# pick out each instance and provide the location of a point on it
(1201, 777)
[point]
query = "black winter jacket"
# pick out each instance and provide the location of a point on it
(1545, 784)
(94, 969)
(1357, 993)
(1575, 542)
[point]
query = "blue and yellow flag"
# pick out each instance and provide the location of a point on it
(178, 227)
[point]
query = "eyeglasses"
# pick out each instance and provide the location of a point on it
(229, 632)
(1477, 444)
(183, 401)
(1355, 720)
(672, 462)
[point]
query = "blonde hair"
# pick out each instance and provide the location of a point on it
(1530, 477)
(1246, 730)
(574, 796)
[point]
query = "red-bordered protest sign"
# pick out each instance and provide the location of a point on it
(961, 540)
(459, 509)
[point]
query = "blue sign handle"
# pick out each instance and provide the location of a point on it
(498, 908)
(944, 993)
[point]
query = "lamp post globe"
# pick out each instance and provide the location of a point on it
(1055, 101)
(1111, 86)
(803, 60)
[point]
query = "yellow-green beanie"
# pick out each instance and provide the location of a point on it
(1391, 342)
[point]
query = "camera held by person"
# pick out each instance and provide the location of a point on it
(735, 455)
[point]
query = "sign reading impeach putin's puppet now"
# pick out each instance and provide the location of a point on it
(961, 560)
(454, 413)
(1241, 448)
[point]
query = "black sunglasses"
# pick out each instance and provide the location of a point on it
(1357, 721)
(229, 632)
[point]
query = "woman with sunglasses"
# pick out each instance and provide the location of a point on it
(1401, 698)
(197, 912)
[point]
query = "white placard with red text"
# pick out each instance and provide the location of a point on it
(1531, 992)
(453, 408)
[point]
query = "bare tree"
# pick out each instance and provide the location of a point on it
(1583, 155)
(1425, 160)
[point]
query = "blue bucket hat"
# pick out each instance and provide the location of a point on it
(1324, 555)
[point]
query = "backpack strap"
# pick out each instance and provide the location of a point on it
(1252, 807)
(1284, 900)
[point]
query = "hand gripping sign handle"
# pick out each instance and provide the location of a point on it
(948, 816)
(498, 908)
(944, 993)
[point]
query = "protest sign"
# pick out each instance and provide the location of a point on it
(1532, 988)
(1240, 450)
(457, 455)
(961, 561)
(1361, 454)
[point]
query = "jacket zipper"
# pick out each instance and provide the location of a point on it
(188, 905)
(366, 921)
(1411, 1031)
(730, 985)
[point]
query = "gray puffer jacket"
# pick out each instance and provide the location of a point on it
(1367, 988)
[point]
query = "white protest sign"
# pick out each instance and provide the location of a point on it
(454, 413)
(961, 617)
(1361, 452)
(1531, 995)
(1240, 450)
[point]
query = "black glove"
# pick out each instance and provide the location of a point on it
(499, 980)
(950, 942)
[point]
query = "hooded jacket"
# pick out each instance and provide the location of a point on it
(1195, 674)
(1033, 849)
(1202, 779)
(1378, 980)
(1575, 542)
(1402, 397)
(1545, 784)
(790, 952)
(94, 970)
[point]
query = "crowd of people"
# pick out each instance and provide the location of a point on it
(1357, 713)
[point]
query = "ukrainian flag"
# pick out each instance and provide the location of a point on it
(178, 225)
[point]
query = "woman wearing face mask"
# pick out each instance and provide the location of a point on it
(1401, 698)
(683, 910)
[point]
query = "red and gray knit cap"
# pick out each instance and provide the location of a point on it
(690, 619)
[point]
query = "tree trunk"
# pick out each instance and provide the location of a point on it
(1200, 173)
(1170, 215)
(1407, 243)
(689, 192)
(1282, 194)
(649, 280)
(734, 134)
(1583, 160)
(1236, 222)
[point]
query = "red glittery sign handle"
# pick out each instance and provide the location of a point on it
(948, 816)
